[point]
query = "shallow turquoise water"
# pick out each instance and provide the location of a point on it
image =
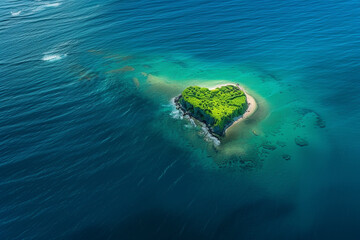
(92, 148)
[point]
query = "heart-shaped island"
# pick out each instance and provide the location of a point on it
(217, 108)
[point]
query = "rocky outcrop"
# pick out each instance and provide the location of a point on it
(301, 141)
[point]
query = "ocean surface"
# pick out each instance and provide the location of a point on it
(91, 146)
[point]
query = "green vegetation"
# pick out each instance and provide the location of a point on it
(216, 107)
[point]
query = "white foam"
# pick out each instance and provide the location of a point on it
(15, 14)
(175, 113)
(210, 138)
(192, 122)
(53, 57)
(47, 5)
(52, 4)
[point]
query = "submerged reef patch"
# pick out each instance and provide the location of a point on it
(301, 141)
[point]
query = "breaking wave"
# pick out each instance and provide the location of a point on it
(15, 14)
(47, 5)
(53, 57)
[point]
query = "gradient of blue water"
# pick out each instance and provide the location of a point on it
(72, 165)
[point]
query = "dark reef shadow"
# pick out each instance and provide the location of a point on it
(157, 224)
(248, 221)
(152, 224)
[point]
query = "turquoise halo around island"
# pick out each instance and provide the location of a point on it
(280, 126)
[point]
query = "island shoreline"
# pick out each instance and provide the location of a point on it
(251, 109)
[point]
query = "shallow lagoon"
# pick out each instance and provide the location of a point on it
(271, 132)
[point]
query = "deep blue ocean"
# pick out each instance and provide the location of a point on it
(92, 148)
